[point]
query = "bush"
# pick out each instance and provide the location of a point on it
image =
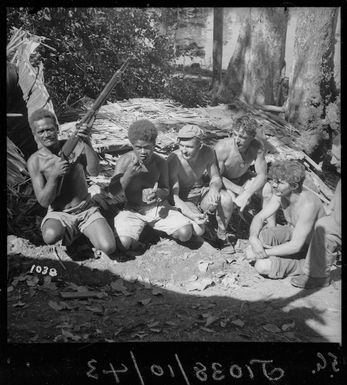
(188, 92)
(90, 44)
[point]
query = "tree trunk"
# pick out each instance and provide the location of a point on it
(312, 84)
(254, 70)
(217, 47)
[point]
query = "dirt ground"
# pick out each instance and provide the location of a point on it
(169, 292)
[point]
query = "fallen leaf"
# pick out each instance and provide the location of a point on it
(290, 335)
(54, 305)
(153, 324)
(68, 334)
(144, 302)
(223, 323)
(119, 286)
(108, 340)
(210, 320)
(117, 331)
(192, 278)
(33, 281)
(272, 328)
(202, 266)
(33, 339)
(220, 274)
(170, 323)
(9, 289)
(199, 285)
(95, 309)
(140, 335)
(19, 304)
(288, 326)
(155, 330)
(156, 291)
(238, 322)
(207, 330)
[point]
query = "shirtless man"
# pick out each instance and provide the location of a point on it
(186, 168)
(139, 173)
(326, 237)
(235, 155)
(279, 251)
(72, 212)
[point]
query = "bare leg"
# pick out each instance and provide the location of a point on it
(224, 211)
(184, 233)
(101, 236)
(52, 231)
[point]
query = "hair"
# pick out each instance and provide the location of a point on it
(247, 123)
(41, 114)
(291, 171)
(142, 129)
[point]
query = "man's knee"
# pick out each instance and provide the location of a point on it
(183, 234)
(51, 235)
(226, 200)
(126, 242)
(263, 266)
(107, 246)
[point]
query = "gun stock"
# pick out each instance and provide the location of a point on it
(72, 142)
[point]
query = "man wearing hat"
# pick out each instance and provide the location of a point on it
(187, 166)
(235, 155)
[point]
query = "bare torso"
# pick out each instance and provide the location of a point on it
(190, 173)
(236, 161)
(74, 188)
(156, 171)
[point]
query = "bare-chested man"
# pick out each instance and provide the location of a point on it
(235, 156)
(326, 237)
(72, 212)
(280, 251)
(187, 166)
(143, 177)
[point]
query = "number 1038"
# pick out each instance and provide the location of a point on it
(43, 270)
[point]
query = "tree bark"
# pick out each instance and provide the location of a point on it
(312, 84)
(254, 70)
(217, 47)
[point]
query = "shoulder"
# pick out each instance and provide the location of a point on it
(125, 159)
(223, 146)
(173, 157)
(33, 160)
(310, 202)
(207, 151)
(159, 159)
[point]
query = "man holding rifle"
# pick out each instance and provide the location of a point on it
(71, 210)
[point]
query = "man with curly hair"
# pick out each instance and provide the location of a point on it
(326, 238)
(72, 212)
(235, 155)
(280, 251)
(143, 177)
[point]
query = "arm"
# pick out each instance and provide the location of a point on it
(216, 181)
(257, 224)
(92, 158)
(301, 231)
(174, 187)
(162, 191)
(257, 183)
(45, 191)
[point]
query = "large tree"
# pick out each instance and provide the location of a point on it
(312, 85)
(254, 70)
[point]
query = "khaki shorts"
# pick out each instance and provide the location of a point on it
(162, 217)
(75, 220)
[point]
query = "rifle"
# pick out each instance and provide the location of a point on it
(69, 146)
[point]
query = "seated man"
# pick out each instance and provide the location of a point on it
(186, 168)
(326, 237)
(143, 177)
(72, 211)
(279, 251)
(235, 156)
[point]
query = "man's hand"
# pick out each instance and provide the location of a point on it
(242, 200)
(257, 248)
(199, 219)
(60, 166)
(134, 168)
(83, 132)
(213, 196)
